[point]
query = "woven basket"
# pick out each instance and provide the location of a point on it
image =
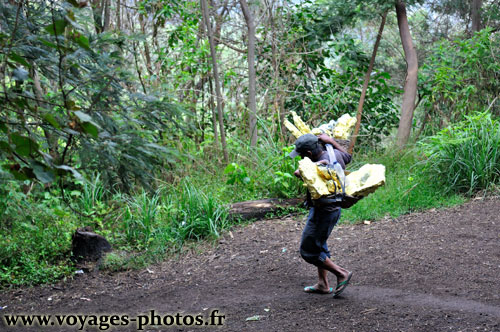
(343, 143)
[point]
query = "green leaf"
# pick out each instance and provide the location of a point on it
(48, 43)
(3, 127)
(19, 175)
(83, 117)
(87, 124)
(90, 128)
(19, 59)
(71, 170)
(42, 173)
(24, 145)
(83, 42)
(56, 28)
(230, 168)
(5, 146)
(52, 120)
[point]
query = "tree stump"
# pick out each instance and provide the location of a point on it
(88, 246)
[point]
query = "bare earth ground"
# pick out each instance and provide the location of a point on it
(433, 271)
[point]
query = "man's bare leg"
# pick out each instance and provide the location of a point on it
(338, 271)
(322, 285)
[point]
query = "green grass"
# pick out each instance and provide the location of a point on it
(407, 189)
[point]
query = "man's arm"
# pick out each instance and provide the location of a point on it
(328, 140)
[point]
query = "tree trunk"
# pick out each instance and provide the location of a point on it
(134, 46)
(214, 114)
(365, 84)
(97, 14)
(107, 15)
(476, 15)
(213, 54)
(118, 16)
(147, 53)
(410, 87)
(274, 62)
(252, 105)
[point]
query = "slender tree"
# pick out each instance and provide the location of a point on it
(365, 84)
(410, 86)
(213, 54)
(252, 105)
(118, 15)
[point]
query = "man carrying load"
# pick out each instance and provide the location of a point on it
(322, 217)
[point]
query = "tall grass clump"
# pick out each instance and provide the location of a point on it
(92, 193)
(195, 214)
(141, 219)
(465, 157)
(155, 224)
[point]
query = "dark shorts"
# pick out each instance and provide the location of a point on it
(319, 225)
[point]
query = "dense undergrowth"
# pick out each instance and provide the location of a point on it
(143, 227)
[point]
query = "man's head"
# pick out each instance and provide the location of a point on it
(306, 146)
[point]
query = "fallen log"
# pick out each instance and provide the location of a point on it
(259, 209)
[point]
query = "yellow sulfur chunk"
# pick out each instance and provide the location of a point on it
(320, 182)
(315, 184)
(295, 132)
(319, 131)
(326, 173)
(325, 128)
(365, 180)
(304, 129)
(332, 181)
(344, 126)
(330, 184)
(316, 131)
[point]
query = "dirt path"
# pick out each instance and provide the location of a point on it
(432, 271)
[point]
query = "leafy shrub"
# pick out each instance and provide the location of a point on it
(257, 172)
(35, 238)
(285, 184)
(458, 77)
(466, 156)
(236, 174)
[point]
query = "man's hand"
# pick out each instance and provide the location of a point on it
(297, 174)
(326, 139)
